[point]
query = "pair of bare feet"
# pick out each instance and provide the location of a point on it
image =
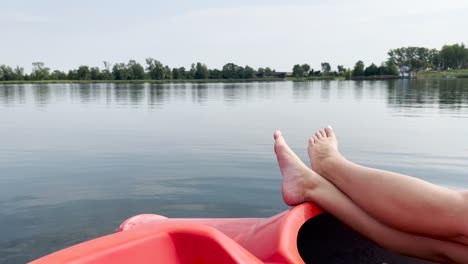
(298, 179)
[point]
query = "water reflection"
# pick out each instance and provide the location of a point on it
(302, 90)
(199, 92)
(158, 95)
(11, 94)
(401, 94)
(41, 94)
(358, 89)
(325, 91)
(234, 92)
(136, 93)
(86, 92)
(443, 94)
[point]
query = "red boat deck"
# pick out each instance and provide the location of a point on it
(303, 234)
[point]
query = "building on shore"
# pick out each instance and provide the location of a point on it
(405, 71)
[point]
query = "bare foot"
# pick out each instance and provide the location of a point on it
(297, 177)
(323, 147)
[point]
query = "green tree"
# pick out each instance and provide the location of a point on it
(72, 75)
(6, 73)
(155, 69)
(454, 56)
(95, 73)
(190, 74)
(306, 69)
(106, 72)
(135, 70)
(19, 73)
(298, 71)
(341, 69)
(231, 71)
(54, 75)
(358, 69)
(39, 71)
(216, 74)
(182, 73)
(201, 71)
(414, 57)
(58, 75)
(83, 73)
(120, 71)
(167, 73)
(326, 68)
(268, 72)
(371, 70)
(175, 74)
(348, 74)
(248, 73)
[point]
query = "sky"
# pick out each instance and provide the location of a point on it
(66, 34)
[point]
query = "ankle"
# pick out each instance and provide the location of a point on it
(329, 164)
(312, 184)
(311, 181)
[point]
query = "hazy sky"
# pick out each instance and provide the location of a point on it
(66, 34)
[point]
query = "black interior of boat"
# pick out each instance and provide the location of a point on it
(325, 240)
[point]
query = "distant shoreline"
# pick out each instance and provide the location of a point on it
(420, 75)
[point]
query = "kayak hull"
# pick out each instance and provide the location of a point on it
(156, 239)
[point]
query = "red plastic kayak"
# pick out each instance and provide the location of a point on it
(147, 238)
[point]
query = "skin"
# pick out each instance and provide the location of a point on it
(301, 184)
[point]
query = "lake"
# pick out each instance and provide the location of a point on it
(78, 159)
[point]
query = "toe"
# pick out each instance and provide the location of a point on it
(315, 139)
(277, 134)
(311, 141)
(280, 144)
(322, 132)
(318, 135)
(330, 132)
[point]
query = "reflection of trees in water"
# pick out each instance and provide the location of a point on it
(341, 86)
(233, 92)
(158, 94)
(136, 93)
(302, 90)
(199, 92)
(180, 91)
(127, 93)
(108, 88)
(449, 94)
(325, 91)
(454, 95)
(265, 89)
(358, 89)
(12, 94)
(41, 94)
(88, 92)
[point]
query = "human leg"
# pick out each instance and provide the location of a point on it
(297, 178)
(403, 202)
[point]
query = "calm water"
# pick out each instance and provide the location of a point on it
(78, 159)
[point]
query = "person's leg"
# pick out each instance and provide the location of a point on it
(300, 184)
(406, 203)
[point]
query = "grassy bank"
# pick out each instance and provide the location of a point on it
(148, 81)
(443, 74)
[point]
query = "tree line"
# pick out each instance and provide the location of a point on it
(133, 70)
(417, 58)
(450, 57)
